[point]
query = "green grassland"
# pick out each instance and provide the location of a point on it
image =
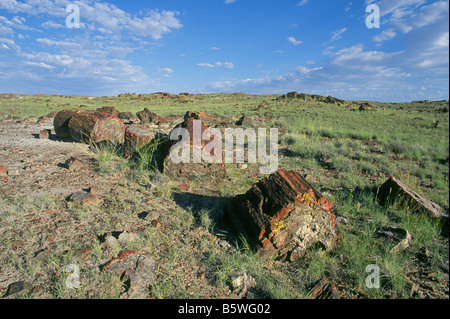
(346, 153)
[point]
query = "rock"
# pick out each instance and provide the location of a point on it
(136, 137)
(126, 116)
(292, 95)
(74, 164)
(16, 288)
(156, 223)
(393, 191)
(283, 216)
(326, 290)
(241, 283)
(127, 237)
(94, 126)
(244, 121)
(204, 117)
(158, 179)
(333, 100)
(149, 216)
(81, 199)
(3, 171)
(399, 237)
(45, 134)
(109, 109)
(61, 123)
(147, 117)
(140, 277)
(184, 187)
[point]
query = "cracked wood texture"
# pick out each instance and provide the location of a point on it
(283, 215)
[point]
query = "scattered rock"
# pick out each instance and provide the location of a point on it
(127, 237)
(184, 187)
(45, 134)
(324, 289)
(156, 223)
(3, 171)
(283, 216)
(244, 121)
(81, 199)
(399, 237)
(149, 216)
(16, 288)
(241, 283)
(74, 164)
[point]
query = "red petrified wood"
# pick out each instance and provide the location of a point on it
(283, 216)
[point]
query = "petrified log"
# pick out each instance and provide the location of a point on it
(283, 216)
(190, 163)
(61, 123)
(136, 137)
(94, 126)
(395, 192)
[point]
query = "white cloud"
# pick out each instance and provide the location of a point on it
(165, 72)
(387, 34)
(101, 16)
(336, 35)
(223, 65)
(230, 1)
(302, 3)
(52, 25)
(294, 41)
(215, 48)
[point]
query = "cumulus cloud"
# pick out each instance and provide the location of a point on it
(88, 62)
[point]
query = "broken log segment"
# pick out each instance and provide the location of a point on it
(61, 123)
(395, 192)
(283, 215)
(94, 126)
(136, 137)
(191, 164)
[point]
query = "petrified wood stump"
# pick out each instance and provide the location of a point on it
(283, 216)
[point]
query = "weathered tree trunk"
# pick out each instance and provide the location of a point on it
(283, 216)
(94, 126)
(61, 123)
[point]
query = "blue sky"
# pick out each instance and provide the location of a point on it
(205, 46)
